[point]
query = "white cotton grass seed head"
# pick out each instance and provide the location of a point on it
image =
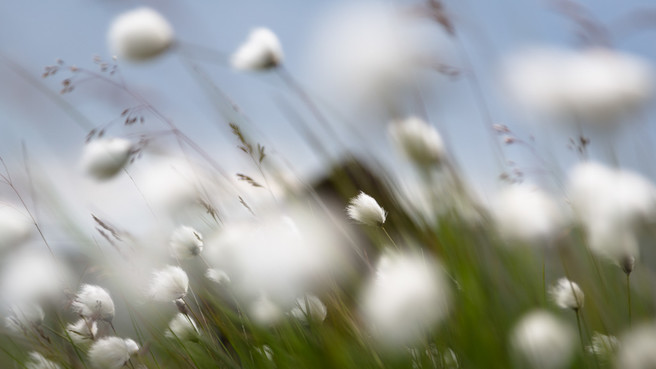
(408, 296)
(418, 141)
(364, 209)
(444, 358)
(264, 312)
(24, 318)
(103, 158)
(169, 284)
(266, 351)
(82, 332)
(182, 327)
(636, 348)
(30, 275)
(309, 306)
(15, 227)
(94, 302)
(604, 347)
(593, 85)
(606, 83)
(38, 361)
(523, 213)
(369, 55)
(186, 243)
(172, 185)
(261, 51)
(217, 276)
(567, 294)
(542, 341)
(282, 255)
(111, 352)
(613, 205)
(139, 34)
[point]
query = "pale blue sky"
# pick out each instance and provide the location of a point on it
(34, 33)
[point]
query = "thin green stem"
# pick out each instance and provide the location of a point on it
(544, 279)
(389, 237)
(628, 294)
(578, 325)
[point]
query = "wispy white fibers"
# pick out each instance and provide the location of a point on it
(309, 306)
(182, 327)
(24, 318)
(264, 312)
(15, 227)
(444, 358)
(408, 296)
(217, 276)
(111, 352)
(364, 209)
(543, 341)
(186, 243)
(261, 51)
(524, 213)
(94, 302)
(370, 53)
(172, 185)
(567, 294)
(613, 205)
(418, 141)
(636, 348)
(82, 332)
(603, 346)
(33, 276)
(38, 361)
(103, 158)
(280, 256)
(169, 284)
(139, 34)
(596, 85)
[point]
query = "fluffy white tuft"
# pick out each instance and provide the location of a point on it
(38, 361)
(186, 243)
(526, 214)
(636, 348)
(595, 85)
(104, 158)
(182, 327)
(309, 306)
(603, 347)
(82, 332)
(364, 209)
(371, 55)
(169, 284)
(140, 34)
(613, 205)
(261, 51)
(24, 318)
(111, 352)
(567, 294)
(418, 140)
(94, 302)
(29, 275)
(15, 227)
(543, 341)
(217, 276)
(280, 255)
(264, 312)
(408, 296)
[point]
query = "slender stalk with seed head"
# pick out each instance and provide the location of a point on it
(627, 264)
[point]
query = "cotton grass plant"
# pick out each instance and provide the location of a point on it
(257, 268)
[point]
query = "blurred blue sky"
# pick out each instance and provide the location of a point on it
(34, 33)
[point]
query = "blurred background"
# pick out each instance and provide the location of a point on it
(194, 86)
(498, 79)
